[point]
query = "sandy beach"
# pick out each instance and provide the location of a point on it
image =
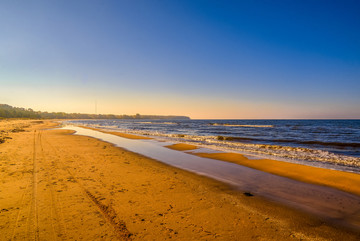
(59, 186)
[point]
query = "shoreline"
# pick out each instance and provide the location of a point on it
(301, 195)
(341, 180)
(344, 181)
(203, 134)
(83, 182)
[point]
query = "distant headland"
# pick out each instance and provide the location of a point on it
(7, 111)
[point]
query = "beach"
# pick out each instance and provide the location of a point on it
(59, 186)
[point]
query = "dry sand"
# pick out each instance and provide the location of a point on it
(58, 186)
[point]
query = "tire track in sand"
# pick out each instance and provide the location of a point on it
(25, 200)
(106, 211)
(56, 213)
(33, 226)
(22, 203)
(32, 223)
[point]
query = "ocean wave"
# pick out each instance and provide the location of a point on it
(342, 144)
(236, 125)
(322, 143)
(157, 123)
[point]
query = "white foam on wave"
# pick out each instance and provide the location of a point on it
(235, 125)
(157, 123)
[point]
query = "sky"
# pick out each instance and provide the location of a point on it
(200, 58)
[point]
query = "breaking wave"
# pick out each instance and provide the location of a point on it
(235, 125)
(321, 143)
(157, 123)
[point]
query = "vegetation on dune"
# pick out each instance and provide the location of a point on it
(7, 111)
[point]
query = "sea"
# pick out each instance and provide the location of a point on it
(333, 144)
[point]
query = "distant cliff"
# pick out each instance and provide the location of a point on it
(7, 111)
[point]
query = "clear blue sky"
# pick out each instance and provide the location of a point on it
(205, 59)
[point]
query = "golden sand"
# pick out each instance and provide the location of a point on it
(58, 186)
(349, 182)
(182, 147)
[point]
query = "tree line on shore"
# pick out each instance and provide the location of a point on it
(7, 111)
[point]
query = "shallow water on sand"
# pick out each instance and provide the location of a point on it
(331, 204)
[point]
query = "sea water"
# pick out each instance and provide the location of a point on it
(333, 143)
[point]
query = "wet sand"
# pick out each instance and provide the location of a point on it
(124, 135)
(345, 181)
(59, 186)
(182, 147)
